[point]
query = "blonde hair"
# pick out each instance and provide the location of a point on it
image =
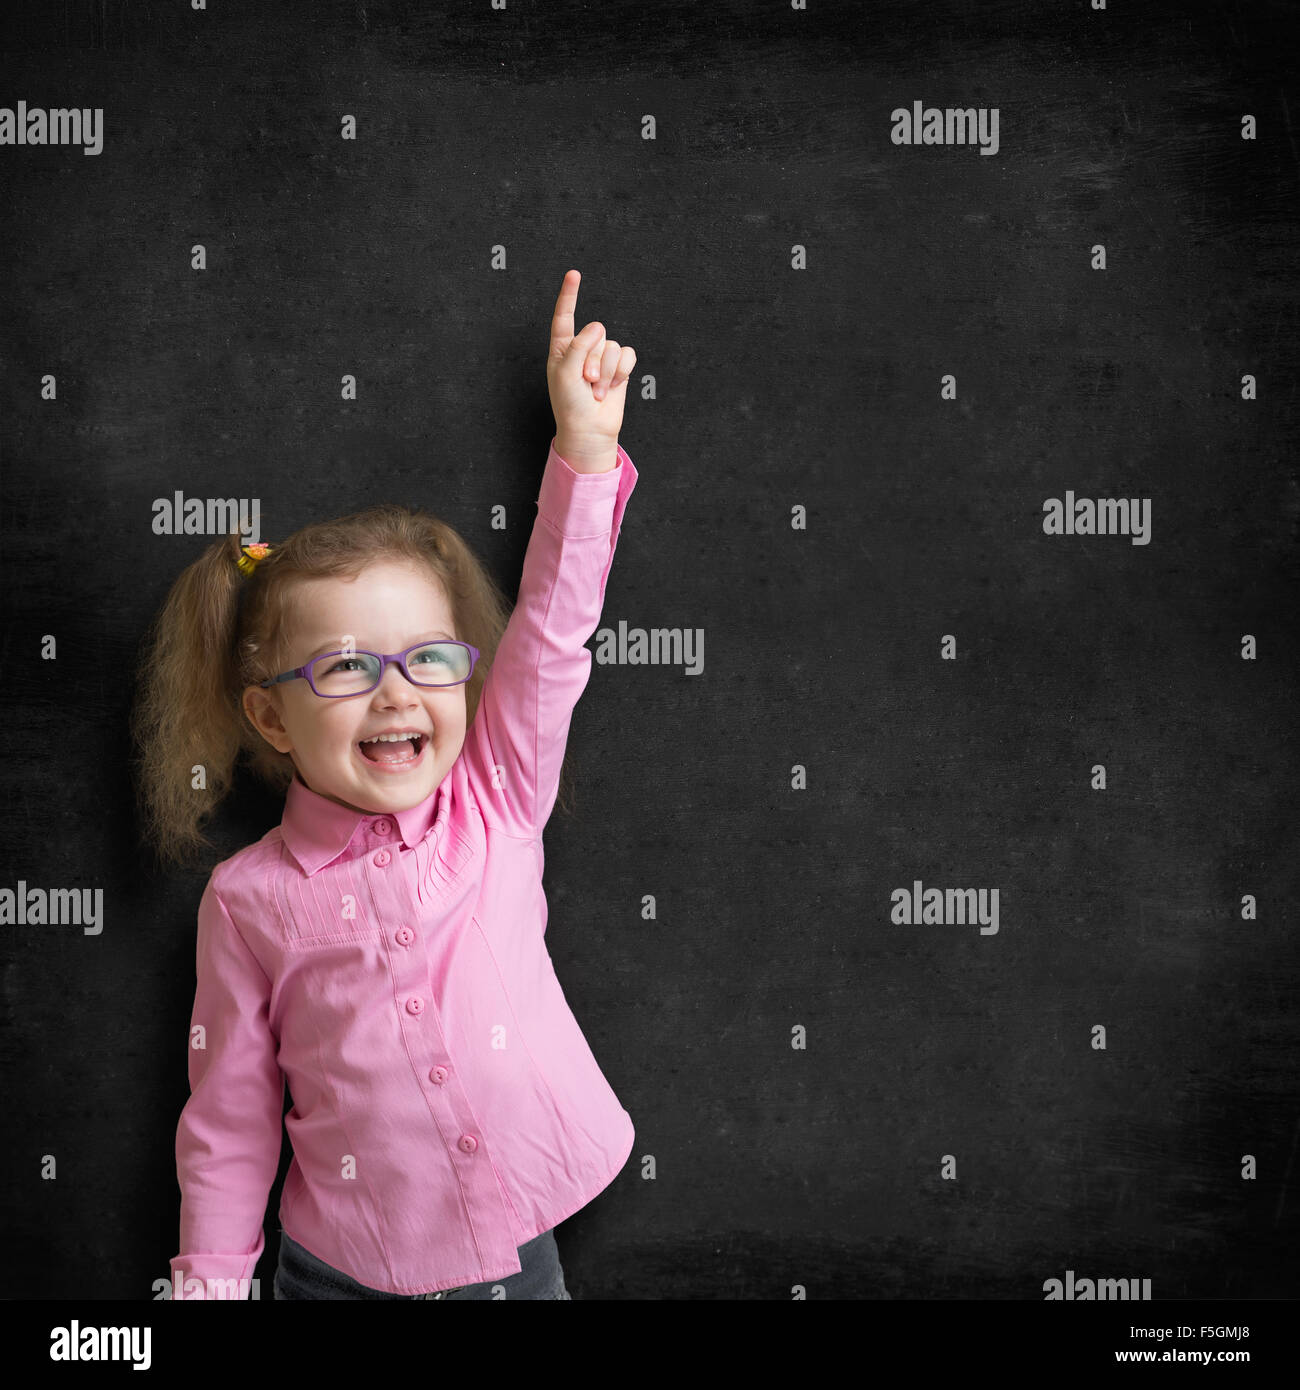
(219, 632)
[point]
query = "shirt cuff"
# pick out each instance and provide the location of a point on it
(581, 505)
(211, 1276)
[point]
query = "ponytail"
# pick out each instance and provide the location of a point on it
(186, 722)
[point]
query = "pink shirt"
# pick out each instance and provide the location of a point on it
(446, 1106)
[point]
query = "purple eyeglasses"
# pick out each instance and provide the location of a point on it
(337, 675)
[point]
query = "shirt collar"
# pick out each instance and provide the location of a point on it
(317, 830)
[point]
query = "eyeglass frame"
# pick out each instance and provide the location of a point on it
(386, 659)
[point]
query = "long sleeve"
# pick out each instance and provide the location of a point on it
(515, 746)
(228, 1138)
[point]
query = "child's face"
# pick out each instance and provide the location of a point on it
(386, 608)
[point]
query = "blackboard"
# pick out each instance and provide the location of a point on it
(870, 374)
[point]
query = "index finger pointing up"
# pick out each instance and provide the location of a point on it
(562, 323)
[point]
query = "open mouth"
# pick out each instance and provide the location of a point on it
(397, 753)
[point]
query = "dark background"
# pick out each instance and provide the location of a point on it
(774, 388)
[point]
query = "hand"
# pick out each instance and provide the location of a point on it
(587, 377)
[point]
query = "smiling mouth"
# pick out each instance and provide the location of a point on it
(395, 753)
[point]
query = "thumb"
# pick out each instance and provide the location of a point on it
(582, 344)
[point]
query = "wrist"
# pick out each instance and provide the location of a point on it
(587, 455)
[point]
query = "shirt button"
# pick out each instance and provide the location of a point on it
(415, 1005)
(382, 857)
(404, 936)
(468, 1143)
(438, 1074)
(383, 827)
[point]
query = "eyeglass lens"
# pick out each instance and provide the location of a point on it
(351, 673)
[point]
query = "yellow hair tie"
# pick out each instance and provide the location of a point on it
(251, 555)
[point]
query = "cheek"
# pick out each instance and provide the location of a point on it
(328, 739)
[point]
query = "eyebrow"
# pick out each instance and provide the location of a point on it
(331, 646)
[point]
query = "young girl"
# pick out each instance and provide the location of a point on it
(382, 949)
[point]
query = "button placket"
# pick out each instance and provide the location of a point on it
(415, 1005)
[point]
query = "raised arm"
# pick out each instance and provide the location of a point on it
(514, 749)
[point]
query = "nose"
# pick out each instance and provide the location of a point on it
(394, 688)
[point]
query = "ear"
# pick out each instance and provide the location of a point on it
(264, 715)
